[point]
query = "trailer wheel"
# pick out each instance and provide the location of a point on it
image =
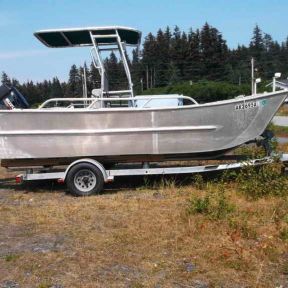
(84, 179)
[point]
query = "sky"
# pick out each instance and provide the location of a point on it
(23, 57)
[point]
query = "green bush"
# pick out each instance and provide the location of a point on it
(215, 205)
(203, 91)
(251, 151)
(199, 205)
(267, 180)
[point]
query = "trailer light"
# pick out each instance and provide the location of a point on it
(19, 179)
(60, 180)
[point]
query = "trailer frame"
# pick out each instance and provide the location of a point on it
(61, 174)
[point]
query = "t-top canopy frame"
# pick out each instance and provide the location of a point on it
(78, 37)
(97, 37)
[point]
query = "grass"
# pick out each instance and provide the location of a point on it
(285, 268)
(135, 238)
(11, 257)
(283, 147)
(279, 130)
(283, 111)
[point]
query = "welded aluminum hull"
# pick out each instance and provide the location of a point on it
(194, 130)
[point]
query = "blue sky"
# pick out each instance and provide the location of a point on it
(23, 57)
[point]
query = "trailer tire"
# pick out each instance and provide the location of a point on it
(84, 179)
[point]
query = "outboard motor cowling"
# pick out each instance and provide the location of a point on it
(11, 98)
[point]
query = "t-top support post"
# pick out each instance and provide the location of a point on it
(98, 63)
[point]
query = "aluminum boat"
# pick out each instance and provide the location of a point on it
(117, 126)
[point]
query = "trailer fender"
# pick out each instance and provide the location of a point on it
(91, 161)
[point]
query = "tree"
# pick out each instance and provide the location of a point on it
(94, 78)
(74, 87)
(56, 90)
(113, 70)
(149, 57)
(257, 43)
(172, 56)
(137, 71)
(267, 42)
(214, 52)
(5, 79)
(160, 70)
(30, 90)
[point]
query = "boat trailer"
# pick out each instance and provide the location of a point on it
(86, 176)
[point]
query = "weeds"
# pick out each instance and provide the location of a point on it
(279, 130)
(284, 234)
(137, 285)
(251, 152)
(199, 205)
(285, 268)
(11, 257)
(267, 180)
(281, 212)
(45, 285)
(199, 182)
(215, 204)
(243, 227)
(147, 182)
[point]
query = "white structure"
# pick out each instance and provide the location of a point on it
(280, 84)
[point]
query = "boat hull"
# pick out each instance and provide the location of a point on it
(194, 130)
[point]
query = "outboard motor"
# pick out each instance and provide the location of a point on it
(11, 98)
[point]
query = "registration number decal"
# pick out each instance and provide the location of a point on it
(246, 105)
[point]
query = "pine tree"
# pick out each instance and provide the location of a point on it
(257, 43)
(137, 72)
(74, 88)
(172, 57)
(176, 65)
(5, 79)
(56, 90)
(214, 52)
(149, 57)
(113, 70)
(15, 83)
(184, 50)
(160, 70)
(94, 78)
(194, 59)
(29, 89)
(267, 42)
